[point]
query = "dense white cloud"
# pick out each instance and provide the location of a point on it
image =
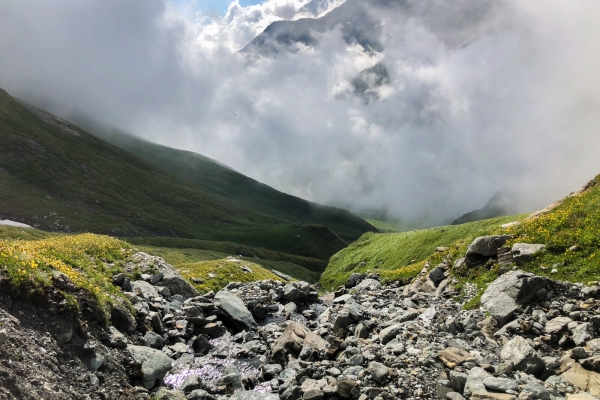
(470, 108)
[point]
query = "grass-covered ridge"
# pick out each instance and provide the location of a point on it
(570, 230)
(573, 224)
(216, 274)
(401, 255)
(88, 261)
(56, 176)
(179, 257)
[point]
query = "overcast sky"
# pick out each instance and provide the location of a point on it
(515, 106)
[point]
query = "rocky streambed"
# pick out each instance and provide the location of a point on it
(533, 338)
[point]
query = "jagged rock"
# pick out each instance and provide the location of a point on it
(453, 357)
(389, 333)
(153, 340)
(155, 364)
(171, 278)
(504, 255)
(251, 395)
(581, 396)
(116, 339)
(368, 284)
(500, 384)
(458, 381)
(522, 355)
(484, 247)
(586, 380)
(200, 394)
(555, 325)
(535, 391)
(379, 372)
(523, 252)
(144, 289)
(281, 275)
(166, 394)
(507, 292)
(582, 333)
(475, 380)
(234, 310)
(294, 338)
(437, 275)
(296, 292)
(346, 387)
(353, 280)
(122, 319)
(492, 396)
(3, 336)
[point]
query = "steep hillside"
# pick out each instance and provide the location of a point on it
(497, 206)
(214, 177)
(56, 176)
(569, 229)
(403, 252)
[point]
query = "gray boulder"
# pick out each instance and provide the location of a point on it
(171, 278)
(523, 252)
(379, 372)
(252, 395)
(522, 355)
(296, 337)
(475, 380)
(368, 284)
(144, 289)
(155, 364)
(484, 247)
(353, 280)
(234, 310)
(153, 340)
(437, 275)
(508, 291)
(500, 384)
(297, 292)
(389, 333)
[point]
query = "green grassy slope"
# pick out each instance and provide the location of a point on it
(203, 251)
(570, 230)
(217, 178)
(55, 176)
(183, 258)
(393, 251)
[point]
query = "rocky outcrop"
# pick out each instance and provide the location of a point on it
(162, 273)
(234, 311)
(295, 339)
(503, 297)
(532, 339)
(484, 247)
(154, 364)
(523, 252)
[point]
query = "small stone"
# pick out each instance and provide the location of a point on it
(3, 336)
(500, 384)
(379, 372)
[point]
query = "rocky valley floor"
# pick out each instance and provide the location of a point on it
(533, 338)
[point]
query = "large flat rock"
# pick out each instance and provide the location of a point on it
(234, 310)
(155, 364)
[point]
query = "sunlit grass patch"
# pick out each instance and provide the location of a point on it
(216, 274)
(87, 260)
(397, 251)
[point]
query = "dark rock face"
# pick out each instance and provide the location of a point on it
(234, 310)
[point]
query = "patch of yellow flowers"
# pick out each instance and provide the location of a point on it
(82, 258)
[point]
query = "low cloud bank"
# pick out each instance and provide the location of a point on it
(480, 98)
